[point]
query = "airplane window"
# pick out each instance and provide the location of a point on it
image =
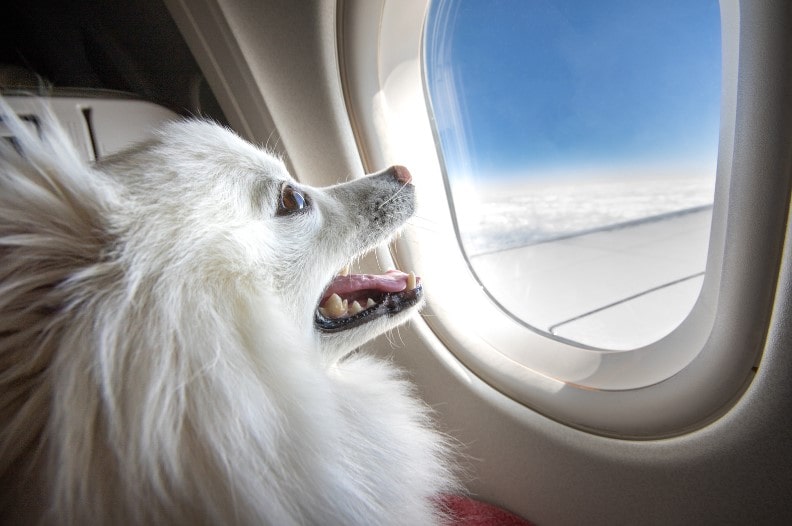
(579, 141)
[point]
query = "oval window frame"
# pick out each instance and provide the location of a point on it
(669, 387)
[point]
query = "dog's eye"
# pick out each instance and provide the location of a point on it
(291, 200)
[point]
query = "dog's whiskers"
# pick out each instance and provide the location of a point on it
(391, 340)
(391, 198)
(431, 227)
(401, 339)
(376, 258)
(422, 219)
(269, 138)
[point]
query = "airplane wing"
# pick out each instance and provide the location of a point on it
(619, 287)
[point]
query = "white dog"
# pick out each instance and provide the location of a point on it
(175, 343)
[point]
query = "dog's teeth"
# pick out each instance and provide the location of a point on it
(344, 271)
(354, 308)
(334, 307)
(411, 282)
(370, 303)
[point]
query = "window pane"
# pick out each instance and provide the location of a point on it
(580, 143)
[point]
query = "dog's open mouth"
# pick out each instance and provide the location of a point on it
(354, 299)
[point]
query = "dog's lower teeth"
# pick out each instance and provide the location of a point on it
(335, 307)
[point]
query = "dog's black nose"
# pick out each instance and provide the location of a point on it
(401, 174)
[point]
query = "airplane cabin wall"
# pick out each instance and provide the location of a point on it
(278, 72)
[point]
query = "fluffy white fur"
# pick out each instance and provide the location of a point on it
(158, 360)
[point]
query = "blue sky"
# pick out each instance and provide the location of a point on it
(525, 85)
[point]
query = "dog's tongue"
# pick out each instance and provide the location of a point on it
(391, 281)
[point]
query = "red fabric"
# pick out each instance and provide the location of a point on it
(468, 512)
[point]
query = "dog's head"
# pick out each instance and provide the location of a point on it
(209, 207)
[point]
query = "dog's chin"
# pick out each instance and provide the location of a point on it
(354, 308)
(337, 345)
